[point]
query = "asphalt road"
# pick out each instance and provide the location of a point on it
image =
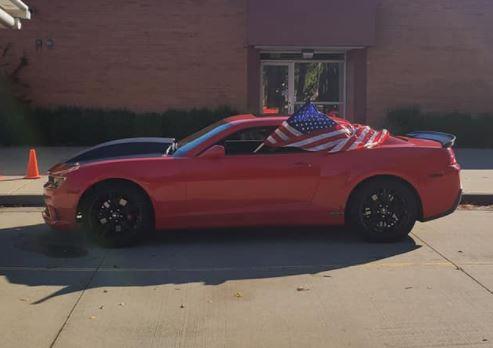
(304, 287)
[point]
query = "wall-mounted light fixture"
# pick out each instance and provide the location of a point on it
(307, 53)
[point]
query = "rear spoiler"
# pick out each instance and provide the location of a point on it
(447, 140)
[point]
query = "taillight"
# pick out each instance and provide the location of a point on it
(451, 156)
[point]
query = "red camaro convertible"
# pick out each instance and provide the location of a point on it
(223, 176)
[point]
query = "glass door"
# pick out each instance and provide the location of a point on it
(320, 82)
(287, 85)
(276, 90)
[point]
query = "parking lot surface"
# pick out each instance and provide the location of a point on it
(264, 287)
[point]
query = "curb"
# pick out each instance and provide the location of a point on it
(38, 201)
(477, 199)
(22, 201)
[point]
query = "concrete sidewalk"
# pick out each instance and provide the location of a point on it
(476, 176)
(252, 287)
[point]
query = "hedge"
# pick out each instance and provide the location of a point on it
(471, 130)
(20, 125)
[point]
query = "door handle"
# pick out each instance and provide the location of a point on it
(303, 164)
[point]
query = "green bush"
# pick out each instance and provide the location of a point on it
(14, 118)
(471, 130)
(89, 126)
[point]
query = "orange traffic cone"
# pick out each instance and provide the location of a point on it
(32, 166)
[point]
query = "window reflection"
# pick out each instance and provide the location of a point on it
(318, 82)
(275, 89)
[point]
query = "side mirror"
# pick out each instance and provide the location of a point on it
(215, 151)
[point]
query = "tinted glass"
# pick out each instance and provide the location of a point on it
(275, 89)
(318, 82)
(200, 137)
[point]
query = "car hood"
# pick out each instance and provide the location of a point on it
(123, 148)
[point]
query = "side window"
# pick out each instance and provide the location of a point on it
(246, 141)
(266, 150)
(251, 134)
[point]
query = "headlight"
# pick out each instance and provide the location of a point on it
(56, 181)
(58, 177)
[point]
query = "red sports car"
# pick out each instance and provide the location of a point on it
(222, 177)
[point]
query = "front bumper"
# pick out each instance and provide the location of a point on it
(60, 208)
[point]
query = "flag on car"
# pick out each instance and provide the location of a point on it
(313, 130)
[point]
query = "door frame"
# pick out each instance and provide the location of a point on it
(291, 95)
(290, 81)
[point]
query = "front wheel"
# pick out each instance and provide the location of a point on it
(117, 215)
(383, 210)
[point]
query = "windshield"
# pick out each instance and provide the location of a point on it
(195, 139)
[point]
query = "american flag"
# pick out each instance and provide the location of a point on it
(313, 130)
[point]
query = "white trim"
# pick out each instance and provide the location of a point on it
(11, 11)
(280, 61)
(291, 96)
(297, 49)
(7, 20)
(345, 85)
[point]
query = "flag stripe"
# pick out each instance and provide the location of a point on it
(360, 138)
(271, 139)
(341, 144)
(281, 135)
(321, 145)
(326, 145)
(319, 137)
(371, 140)
(291, 129)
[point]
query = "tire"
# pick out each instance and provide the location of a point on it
(117, 215)
(383, 210)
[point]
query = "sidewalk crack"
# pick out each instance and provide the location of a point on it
(77, 301)
(457, 267)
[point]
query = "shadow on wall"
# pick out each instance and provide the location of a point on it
(36, 256)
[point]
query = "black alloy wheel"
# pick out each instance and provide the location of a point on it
(383, 210)
(117, 215)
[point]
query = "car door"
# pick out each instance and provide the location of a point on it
(255, 188)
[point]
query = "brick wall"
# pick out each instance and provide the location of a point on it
(434, 53)
(144, 55)
(150, 55)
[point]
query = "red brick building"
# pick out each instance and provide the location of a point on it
(362, 57)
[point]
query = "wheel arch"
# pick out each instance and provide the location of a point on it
(388, 177)
(89, 190)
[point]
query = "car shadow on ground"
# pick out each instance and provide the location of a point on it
(37, 256)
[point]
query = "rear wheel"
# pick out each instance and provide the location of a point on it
(117, 215)
(383, 210)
